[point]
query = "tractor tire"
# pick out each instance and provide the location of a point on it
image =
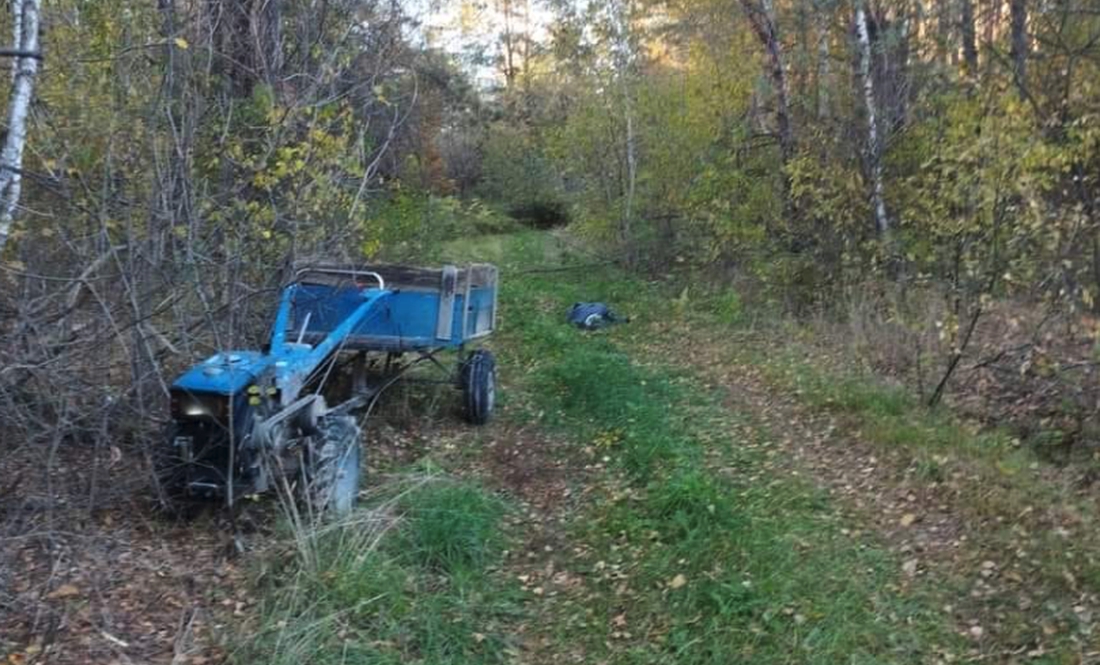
(332, 478)
(478, 382)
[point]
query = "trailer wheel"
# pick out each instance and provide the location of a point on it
(333, 473)
(479, 378)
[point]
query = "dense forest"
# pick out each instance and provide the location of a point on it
(914, 185)
(920, 158)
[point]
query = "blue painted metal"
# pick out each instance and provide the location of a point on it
(278, 333)
(344, 317)
(480, 312)
(406, 321)
(224, 373)
(315, 321)
(294, 363)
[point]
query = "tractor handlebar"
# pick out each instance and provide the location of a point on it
(342, 271)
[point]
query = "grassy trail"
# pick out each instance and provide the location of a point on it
(748, 507)
(680, 490)
(694, 543)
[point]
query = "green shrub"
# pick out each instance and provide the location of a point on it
(726, 307)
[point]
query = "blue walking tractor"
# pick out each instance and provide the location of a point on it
(290, 414)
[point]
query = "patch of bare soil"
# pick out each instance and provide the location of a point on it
(529, 465)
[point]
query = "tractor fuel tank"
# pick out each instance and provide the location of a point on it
(225, 373)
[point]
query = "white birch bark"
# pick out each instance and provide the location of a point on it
(25, 18)
(874, 147)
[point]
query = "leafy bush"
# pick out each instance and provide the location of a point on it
(521, 178)
(412, 225)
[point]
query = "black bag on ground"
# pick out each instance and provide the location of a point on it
(593, 315)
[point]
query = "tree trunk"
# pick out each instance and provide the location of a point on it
(266, 23)
(631, 171)
(25, 18)
(510, 41)
(762, 19)
(249, 41)
(969, 38)
(945, 32)
(823, 73)
(624, 63)
(874, 147)
(172, 176)
(509, 49)
(1019, 48)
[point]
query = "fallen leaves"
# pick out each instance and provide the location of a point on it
(64, 591)
(677, 582)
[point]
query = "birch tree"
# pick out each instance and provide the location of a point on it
(762, 19)
(874, 143)
(25, 57)
(624, 60)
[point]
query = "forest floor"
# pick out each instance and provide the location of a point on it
(683, 488)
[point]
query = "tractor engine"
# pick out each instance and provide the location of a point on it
(203, 428)
(212, 419)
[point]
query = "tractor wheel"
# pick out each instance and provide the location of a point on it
(478, 381)
(333, 474)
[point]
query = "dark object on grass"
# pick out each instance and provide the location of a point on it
(593, 316)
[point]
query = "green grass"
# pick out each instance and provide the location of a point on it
(768, 575)
(692, 540)
(453, 528)
(403, 581)
(602, 395)
(1004, 490)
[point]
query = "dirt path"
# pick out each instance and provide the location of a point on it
(1005, 544)
(959, 535)
(549, 480)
